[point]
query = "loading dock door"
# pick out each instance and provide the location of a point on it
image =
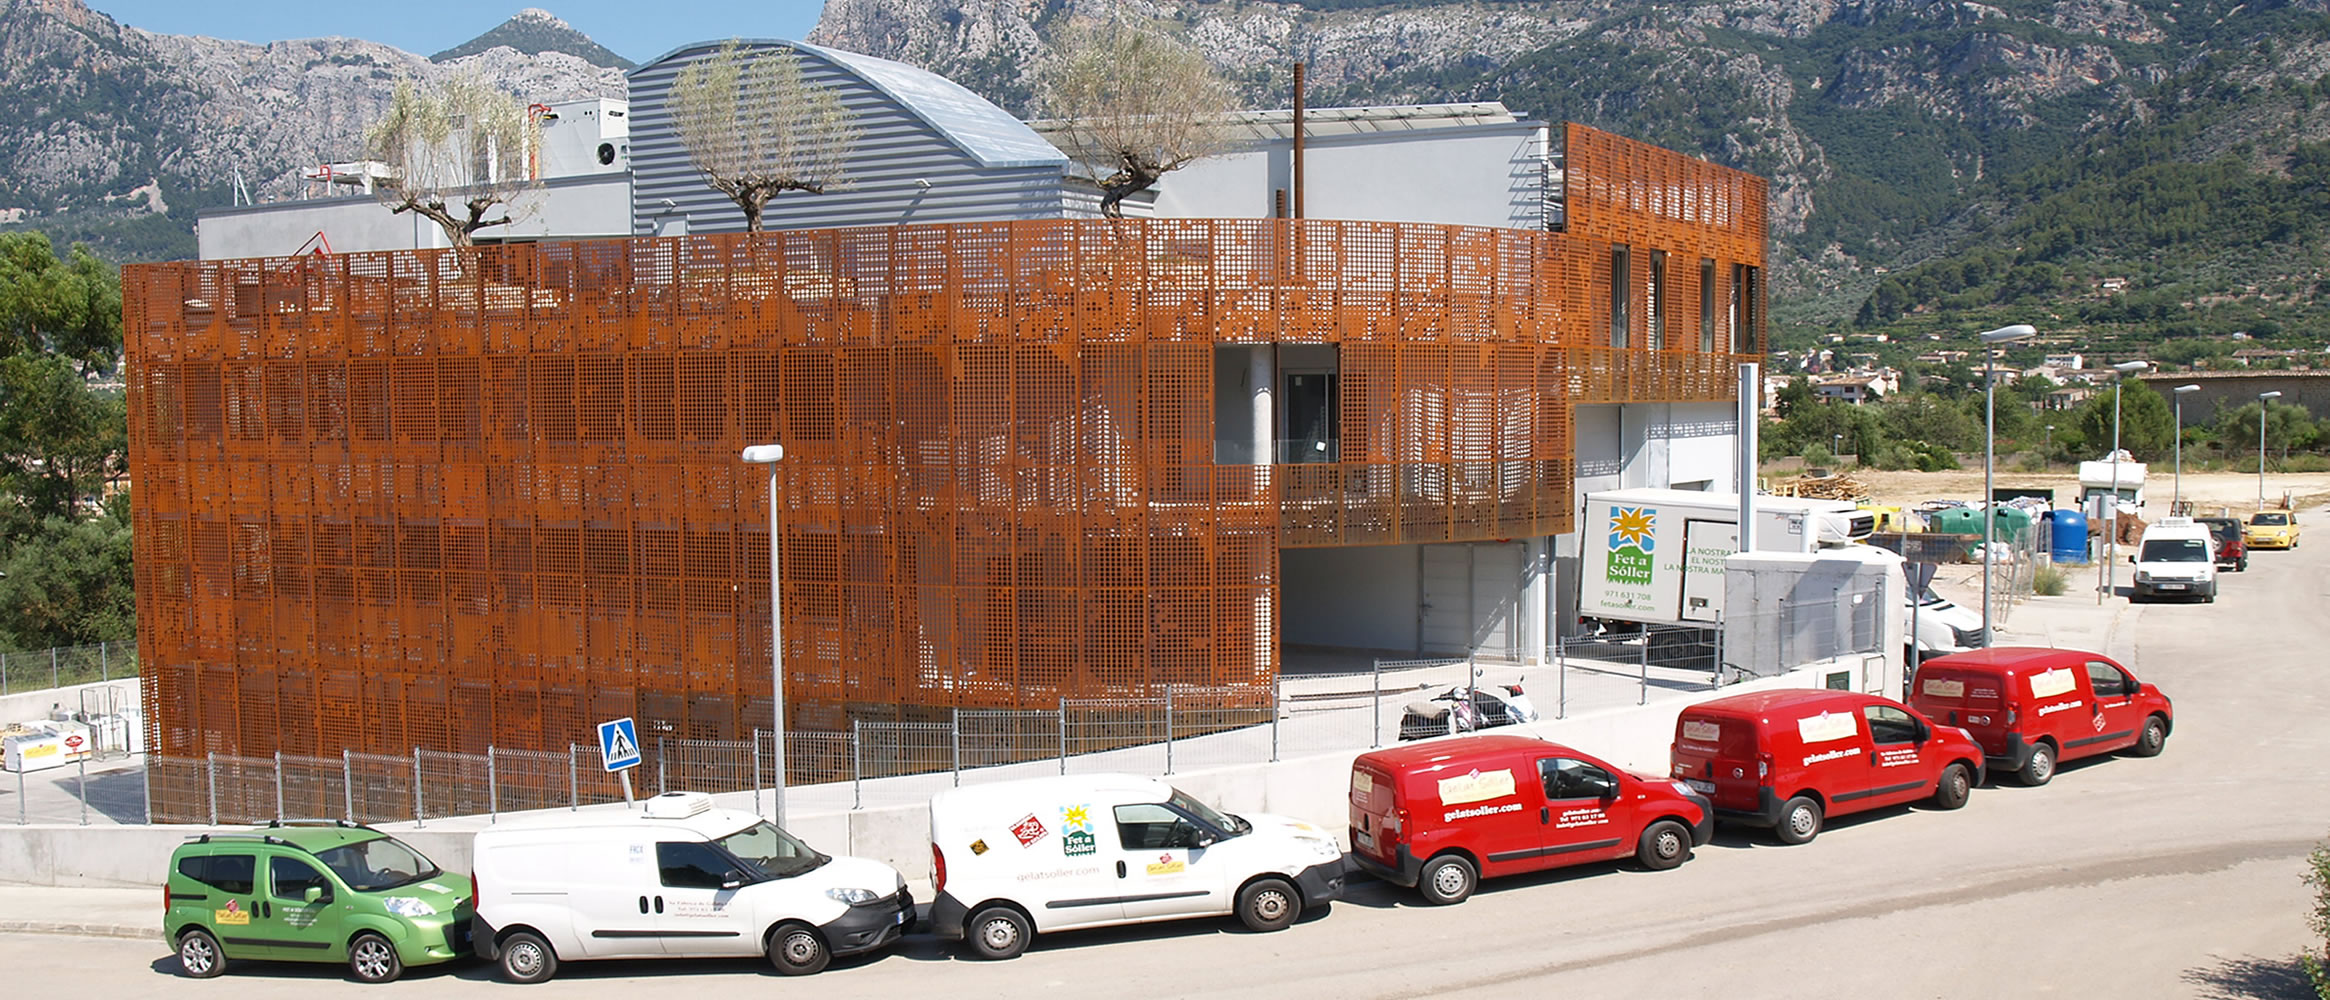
(1705, 544)
(1471, 599)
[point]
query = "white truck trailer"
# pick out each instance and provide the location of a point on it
(1655, 556)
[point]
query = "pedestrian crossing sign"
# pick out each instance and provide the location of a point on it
(619, 744)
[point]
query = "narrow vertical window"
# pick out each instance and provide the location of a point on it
(1620, 301)
(1655, 299)
(1707, 339)
(1747, 292)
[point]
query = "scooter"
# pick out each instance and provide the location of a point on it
(1451, 711)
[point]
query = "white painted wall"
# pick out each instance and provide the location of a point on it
(1358, 596)
(565, 208)
(1477, 175)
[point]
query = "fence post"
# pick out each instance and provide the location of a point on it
(420, 808)
(1375, 707)
(1063, 710)
(278, 792)
(857, 767)
(659, 771)
(52, 666)
(4, 680)
(1644, 699)
(348, 781)
(493, 789)
(573, 783)
(104, 661)
(756, 773)
(84, 787)
(1275, 690)
(212, 758)
(23, 815)
(1168, 729)
(955, 743)
(1718, 654)
(1561, 677)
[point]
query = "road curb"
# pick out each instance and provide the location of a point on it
(129, 931)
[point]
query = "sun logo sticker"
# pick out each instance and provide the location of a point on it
(1076, 831)
(1633, 536)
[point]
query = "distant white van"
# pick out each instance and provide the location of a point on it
(678, 879)
(2177, 558)
(1015, 858)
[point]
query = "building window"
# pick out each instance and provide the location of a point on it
(1655, 299)
(1746, 308)
(1707, 305)
(1305, 383)
(1619, 299)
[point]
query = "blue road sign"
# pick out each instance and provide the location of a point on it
(619, 744)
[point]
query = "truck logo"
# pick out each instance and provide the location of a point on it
(1028, 830)
(1633, 536)
(1076, 831)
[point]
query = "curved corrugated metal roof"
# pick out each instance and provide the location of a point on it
(986, 132)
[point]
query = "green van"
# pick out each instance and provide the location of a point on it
(313, 891)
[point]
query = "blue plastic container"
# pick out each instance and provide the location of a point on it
(2067, 538)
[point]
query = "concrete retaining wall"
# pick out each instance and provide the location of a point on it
(26, 706)
(1309, 788)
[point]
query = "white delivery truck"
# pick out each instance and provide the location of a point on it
(677, 879)
(2097, 479)
(1015, 858)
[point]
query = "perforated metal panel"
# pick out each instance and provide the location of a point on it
(444, 499)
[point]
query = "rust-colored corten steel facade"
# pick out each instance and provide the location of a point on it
(448, 499)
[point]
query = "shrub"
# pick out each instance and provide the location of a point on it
(2031, 461)
(2049, 581)
(2318, 876)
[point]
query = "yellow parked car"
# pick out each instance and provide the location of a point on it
(2273, 529)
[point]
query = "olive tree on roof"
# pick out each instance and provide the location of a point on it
(755, 127)
(1132, 105)
(460, 155)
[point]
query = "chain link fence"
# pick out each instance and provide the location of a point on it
(65, 666)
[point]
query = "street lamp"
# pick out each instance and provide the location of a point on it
(770, 455)
(2112, 509)
(1990, 342)
(1836, 448)
(2047, 444)
(2176, 505)
(2263, 399)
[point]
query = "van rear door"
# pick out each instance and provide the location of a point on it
(1374, 800)
(1969, 700)
(1717, 756)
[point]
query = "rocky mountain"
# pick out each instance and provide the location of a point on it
(1895, 132)
(534, 31)
(119, 135)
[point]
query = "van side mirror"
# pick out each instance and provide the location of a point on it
(1204, 839)
(732, 879)
(316, 894)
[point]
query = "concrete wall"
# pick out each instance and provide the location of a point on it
(27, 706)
(2232, 390)
(1310, 789)
(1478, 175)
(1360, 596)
(589, 207)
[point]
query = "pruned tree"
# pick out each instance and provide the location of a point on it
(1132, 105)
(756, 127)
(457, 154)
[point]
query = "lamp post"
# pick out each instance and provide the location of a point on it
(2047, 443)
(2111, 570)
(1836, 448)
(1990, 342)
(770, 455)
(2263, 400)
(2176, 505)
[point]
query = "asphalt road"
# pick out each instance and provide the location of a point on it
(2170, 877)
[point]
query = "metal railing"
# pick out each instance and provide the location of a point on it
(65, 666)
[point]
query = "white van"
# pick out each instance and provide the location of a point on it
(2177, 558)
(1049, 854)
(678, 879)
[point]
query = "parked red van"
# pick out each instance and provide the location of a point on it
(2032, 708)
(1442, 815)
(1790, 759)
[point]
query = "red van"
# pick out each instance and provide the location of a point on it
(1790, 759)
(1442, 815)
(2032, 708)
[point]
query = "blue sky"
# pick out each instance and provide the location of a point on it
(635, 30)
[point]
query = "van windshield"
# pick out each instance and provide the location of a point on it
(382, 863)
(771, 852)
(2175, 550)
(1224, 822)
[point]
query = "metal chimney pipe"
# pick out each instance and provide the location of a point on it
(1298, 140)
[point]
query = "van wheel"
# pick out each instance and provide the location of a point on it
(1447, 880)
(373, 960)
(1951, 791)
(2155, 737)
(526, 958)
(1799, 820)
(2041, 767)
(1665, 844)
(1268, 905)
(796, 950)
(998, 932)
(198, 955)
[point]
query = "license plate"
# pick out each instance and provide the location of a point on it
(1366, 840)
(1702, 787)
(2171, 586)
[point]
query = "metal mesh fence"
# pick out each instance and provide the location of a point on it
(67, 665)
(314, 787)
(993, 739)
(705, 766)
(1092, 727)
(889, 749)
